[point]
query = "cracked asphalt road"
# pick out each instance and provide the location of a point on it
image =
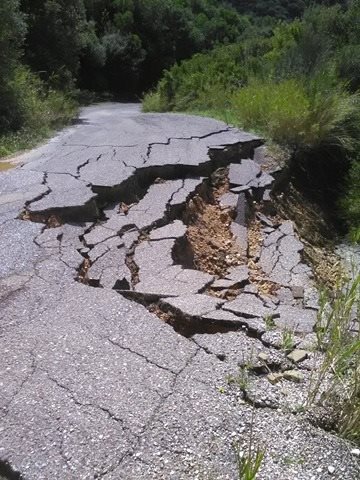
(93, 385)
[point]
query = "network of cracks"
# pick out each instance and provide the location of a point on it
(201, 247)
(204, 249)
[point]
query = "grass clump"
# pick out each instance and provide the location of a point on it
(296, 116)
(269, 322)
(242, 380)
(249, 462)
(287, 340)
(249, 465)
(338, 379)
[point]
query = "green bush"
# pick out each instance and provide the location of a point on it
(202, 81)
(41, 111)
(348, 64)
(336, 383)
(274, 110)
(299, 116)
(154, 103)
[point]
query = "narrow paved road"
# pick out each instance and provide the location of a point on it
(93, 385)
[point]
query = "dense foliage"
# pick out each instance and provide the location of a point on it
(297, 86)
(139, 38)
(12, 30)
(284, 9)
(28, 107)
(122, 46)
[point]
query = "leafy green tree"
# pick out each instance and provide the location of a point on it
(283, 9)
(12, 30)
(55, 38)
(144, 37)
(124, 55)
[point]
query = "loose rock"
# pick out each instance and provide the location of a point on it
(294, 376)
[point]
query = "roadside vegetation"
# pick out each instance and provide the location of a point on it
(30, 109)
(338, 378)
(249, 462)
(295, 83)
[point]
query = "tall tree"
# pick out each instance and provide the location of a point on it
(55, 38)
(12, 30)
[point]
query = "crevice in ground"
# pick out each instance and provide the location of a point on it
(208, 246)
(147, 360)
(132, 189)
(25, 215)
(73, 396)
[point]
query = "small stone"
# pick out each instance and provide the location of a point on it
(243, 188)
(273, 338)
(297, 355)
(356, 452)
(297, 291)
(263, 356)
(229, 199)
(240, 233)
(331, 469)
(275, 377)
(294, 376)
(266, 196)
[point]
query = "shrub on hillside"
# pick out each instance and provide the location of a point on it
(201, 82)
(40, 111)
(299, 115)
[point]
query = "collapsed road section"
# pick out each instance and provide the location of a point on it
(152, 300)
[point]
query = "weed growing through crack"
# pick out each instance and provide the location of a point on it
(287, 340)
(241, 379)
(249, 463)
(269, 322)
(337, 382)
